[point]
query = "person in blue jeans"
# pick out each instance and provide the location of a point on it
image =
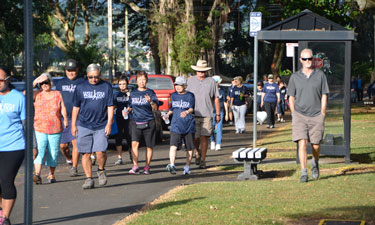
(218, 127)
(281, 104)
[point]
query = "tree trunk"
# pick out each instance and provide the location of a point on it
(277, 57)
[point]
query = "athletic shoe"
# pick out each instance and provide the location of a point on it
(242, 131)
(197, 160)
(218, 147)
(202, 165)
(51, 179)
(73, 172)
(237, 131)
(187, 170)
(230, 123)
(315, 172)
(37, 179)
(272, 126)
(93, 159)
(146, 170)
(118, 162)
(212, 145)
(4, 221)
(102, 178)
(89, 184)
(282, 120)
(304, 179)
(171, 169)
(69, 162)
(134, 170)
(278, 120)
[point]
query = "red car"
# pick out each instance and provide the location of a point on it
(163, 87)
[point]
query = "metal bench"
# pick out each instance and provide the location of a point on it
(250, 157)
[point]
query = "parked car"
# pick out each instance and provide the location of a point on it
(163, 86)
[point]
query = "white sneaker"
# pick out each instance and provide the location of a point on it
(218, 147)
(282, 120)
(213, 145)
(278, 120)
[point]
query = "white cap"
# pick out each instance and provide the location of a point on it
(181, 80)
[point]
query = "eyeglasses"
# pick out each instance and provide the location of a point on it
(304, 59)
(92, 77)
(3, 80)
(44, 82)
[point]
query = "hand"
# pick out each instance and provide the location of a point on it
(108, 129)
(261, 105)
(66, 123)
(183, 114)
(148, 98)
(217, 118)
(74, 131)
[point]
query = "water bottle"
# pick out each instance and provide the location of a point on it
(125, 113)
(241, 96)
(166, 118)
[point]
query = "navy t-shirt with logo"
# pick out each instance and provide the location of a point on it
(121, 100)
(93, 101)
(282, 93)
(180, 103)
(236, 95)
(141, 108)
(259, 95)
(270, 91)
(67, 87)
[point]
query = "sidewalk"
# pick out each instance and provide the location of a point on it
(64, 202)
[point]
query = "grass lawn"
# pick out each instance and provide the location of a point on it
(342, 192)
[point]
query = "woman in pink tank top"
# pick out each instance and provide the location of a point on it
(49, 108)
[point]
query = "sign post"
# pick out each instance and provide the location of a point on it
(255, 26)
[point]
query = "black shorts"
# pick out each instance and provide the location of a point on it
(148, 133)
(176, 140)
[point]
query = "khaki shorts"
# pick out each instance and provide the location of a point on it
(203, 126)
(307, 128)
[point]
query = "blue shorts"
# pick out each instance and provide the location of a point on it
(89, 141)
(67, 136)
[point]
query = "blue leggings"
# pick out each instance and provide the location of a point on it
(52, 141)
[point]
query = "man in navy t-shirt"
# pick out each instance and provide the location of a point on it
(93, 109)
(66, 86)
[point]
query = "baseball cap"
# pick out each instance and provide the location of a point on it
(217, 79)
(71, 64)
(181, 80)
(260, 83)
(270, 76)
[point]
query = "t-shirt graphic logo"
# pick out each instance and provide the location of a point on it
(139, 101)
(94, 95)
(7, 107)
(122, 98)
(180, 104)
(69, 88)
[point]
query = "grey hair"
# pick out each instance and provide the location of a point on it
(307, 50)
(93, 67)
(48, 75)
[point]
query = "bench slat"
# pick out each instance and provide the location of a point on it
(250, 155)
(244, 153)
(261, 153)
(236, 154)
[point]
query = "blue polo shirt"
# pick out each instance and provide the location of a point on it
(93, 101)
(180, 103)
(270, 91)
(67, 88)
(142, 110)
(12, 112)
(236, 91)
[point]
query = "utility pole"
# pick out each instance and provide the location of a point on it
(126, 41)
(110, 39)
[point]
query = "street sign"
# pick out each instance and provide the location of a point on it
(290, 49)
(255, 23)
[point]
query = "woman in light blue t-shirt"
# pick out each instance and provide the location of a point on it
(12, 142)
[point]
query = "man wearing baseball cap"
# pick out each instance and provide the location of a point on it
(66, 86)
(206, 97)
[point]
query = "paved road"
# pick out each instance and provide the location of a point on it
(65, 202)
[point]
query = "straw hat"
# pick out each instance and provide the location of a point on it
(201, 66)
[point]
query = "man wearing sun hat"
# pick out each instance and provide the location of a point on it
(206, 101)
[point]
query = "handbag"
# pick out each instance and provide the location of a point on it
(142, 126)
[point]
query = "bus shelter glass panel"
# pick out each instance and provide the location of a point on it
(330, 58)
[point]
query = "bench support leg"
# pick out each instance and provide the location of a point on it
(250, 172)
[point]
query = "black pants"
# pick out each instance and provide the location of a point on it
(360, 94)
(10, 163)
(124, 131)
(270, 109)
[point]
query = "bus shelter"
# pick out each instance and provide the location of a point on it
(331, 44)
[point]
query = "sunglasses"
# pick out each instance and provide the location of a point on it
(3, 80)
(92, 77)
(304, 59)
(44, 82)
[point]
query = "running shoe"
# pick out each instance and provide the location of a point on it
(37, 179)
(102, 178)
(119, 162)
(213, 145)
(187, 170)
(89, 183)
(1, 219)
(304, 179)
(171, 169)
(202, 165)
(51, 179)
(146, 170)
(218, 147)
(134, 170)
(315, 172)
(197, 160)
(69, 162)
(282, 121)
(4, 221)
(73, 172)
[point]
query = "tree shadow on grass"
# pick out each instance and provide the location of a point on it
(350, 213)
(174, 203)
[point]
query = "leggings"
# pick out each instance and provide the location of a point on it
(270, 109)
(123, 132)
(10, 163)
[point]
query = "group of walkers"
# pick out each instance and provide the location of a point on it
(80, 113)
